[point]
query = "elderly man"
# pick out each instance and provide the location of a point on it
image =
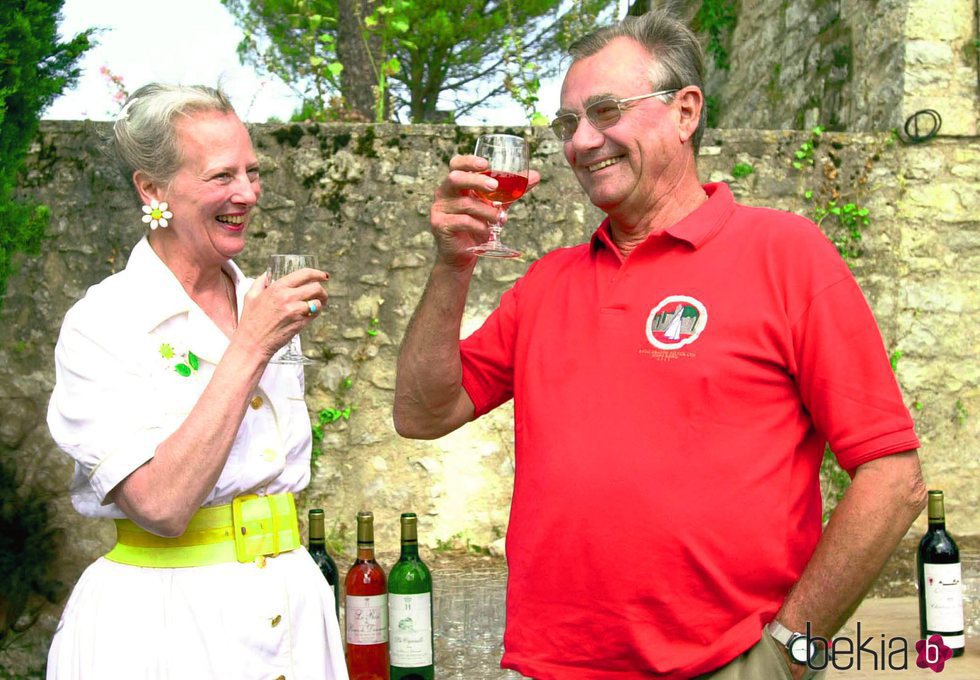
(675, 382)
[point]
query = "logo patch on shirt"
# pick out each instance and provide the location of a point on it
(676, 321)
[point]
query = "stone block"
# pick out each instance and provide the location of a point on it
(942, 201)
(948, 20)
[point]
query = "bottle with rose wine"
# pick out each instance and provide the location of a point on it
(366, 609)
(410, 609)
(940, 580)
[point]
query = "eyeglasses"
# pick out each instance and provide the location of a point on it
(601, 114)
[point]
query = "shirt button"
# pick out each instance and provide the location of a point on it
(269, 455)
(257, 402)
(276, 620)
(281, 677)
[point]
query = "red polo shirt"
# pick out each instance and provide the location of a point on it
(671, 411)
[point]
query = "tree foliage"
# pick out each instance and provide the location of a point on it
(424, 53)
(34, 69)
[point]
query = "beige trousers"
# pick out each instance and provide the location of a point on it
(763, 661)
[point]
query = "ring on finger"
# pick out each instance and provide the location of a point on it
(313, 308)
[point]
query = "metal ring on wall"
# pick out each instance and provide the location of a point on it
(912, 125)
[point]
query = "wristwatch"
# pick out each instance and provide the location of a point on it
(802, 650)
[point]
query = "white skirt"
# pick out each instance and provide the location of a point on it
(201, 623)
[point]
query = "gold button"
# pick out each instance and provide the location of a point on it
(257, 402)
(281, 677)
(276, 620)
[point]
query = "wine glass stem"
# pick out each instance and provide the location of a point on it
(495, 228)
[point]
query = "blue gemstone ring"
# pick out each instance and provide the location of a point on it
(313, 308)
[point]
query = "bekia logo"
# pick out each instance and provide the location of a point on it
(876, 653)
(676, 321)
(933, 653)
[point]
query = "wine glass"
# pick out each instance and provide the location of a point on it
(280, 266)
(507, 155)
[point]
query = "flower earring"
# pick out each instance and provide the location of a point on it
(156, 214)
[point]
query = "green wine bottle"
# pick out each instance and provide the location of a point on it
(318, 551)
(410, 610)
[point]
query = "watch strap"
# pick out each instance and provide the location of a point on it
(780, 633)
(786, 637)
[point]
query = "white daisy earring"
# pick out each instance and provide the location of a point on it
(156, 214)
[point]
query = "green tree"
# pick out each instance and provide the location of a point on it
(34, 69)
(422, 52)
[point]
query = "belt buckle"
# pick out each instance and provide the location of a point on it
(239, 529)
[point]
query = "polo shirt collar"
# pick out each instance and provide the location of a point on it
(166, 298)
(697, 228)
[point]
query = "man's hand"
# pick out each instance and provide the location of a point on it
(458, 217)
(884, 498)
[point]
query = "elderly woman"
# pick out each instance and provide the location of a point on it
(183, 431)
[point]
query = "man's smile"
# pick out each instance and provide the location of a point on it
(604, 164)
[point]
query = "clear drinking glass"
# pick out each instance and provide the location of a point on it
(279, 266)
(970, 567)
(508, 157)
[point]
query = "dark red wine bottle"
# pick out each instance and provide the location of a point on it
(940, 580)
(318, 551)
(366, 609)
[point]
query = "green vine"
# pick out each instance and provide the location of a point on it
(717, 18)
(328, 416)
(961, 414)
(851, 219)
(343, 407)
(740, 170)
(804, 155)
(843, 221)
(893, 359)
(835, 481)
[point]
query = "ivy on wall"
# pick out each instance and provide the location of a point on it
(717, 19)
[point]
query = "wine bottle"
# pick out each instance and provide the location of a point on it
(318, 551)
(940, 580)
(410, 609)
(366, 609)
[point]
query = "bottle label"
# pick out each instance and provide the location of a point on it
(411, 629)
(944, 597)
(367, 619)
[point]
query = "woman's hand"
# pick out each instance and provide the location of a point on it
(275, 312)
(458, 217)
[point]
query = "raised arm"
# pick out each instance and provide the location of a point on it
(429, 397)
(163, 494)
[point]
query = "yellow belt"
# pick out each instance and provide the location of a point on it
(240, 531)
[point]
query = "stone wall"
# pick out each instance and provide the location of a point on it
(358, 196)
(850, 65)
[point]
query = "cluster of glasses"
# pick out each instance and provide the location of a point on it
(970, 567)
(469, 617)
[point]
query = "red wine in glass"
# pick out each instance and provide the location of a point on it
(508, 158)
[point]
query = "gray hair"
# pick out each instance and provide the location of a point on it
(678, 58)
(144, 136)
